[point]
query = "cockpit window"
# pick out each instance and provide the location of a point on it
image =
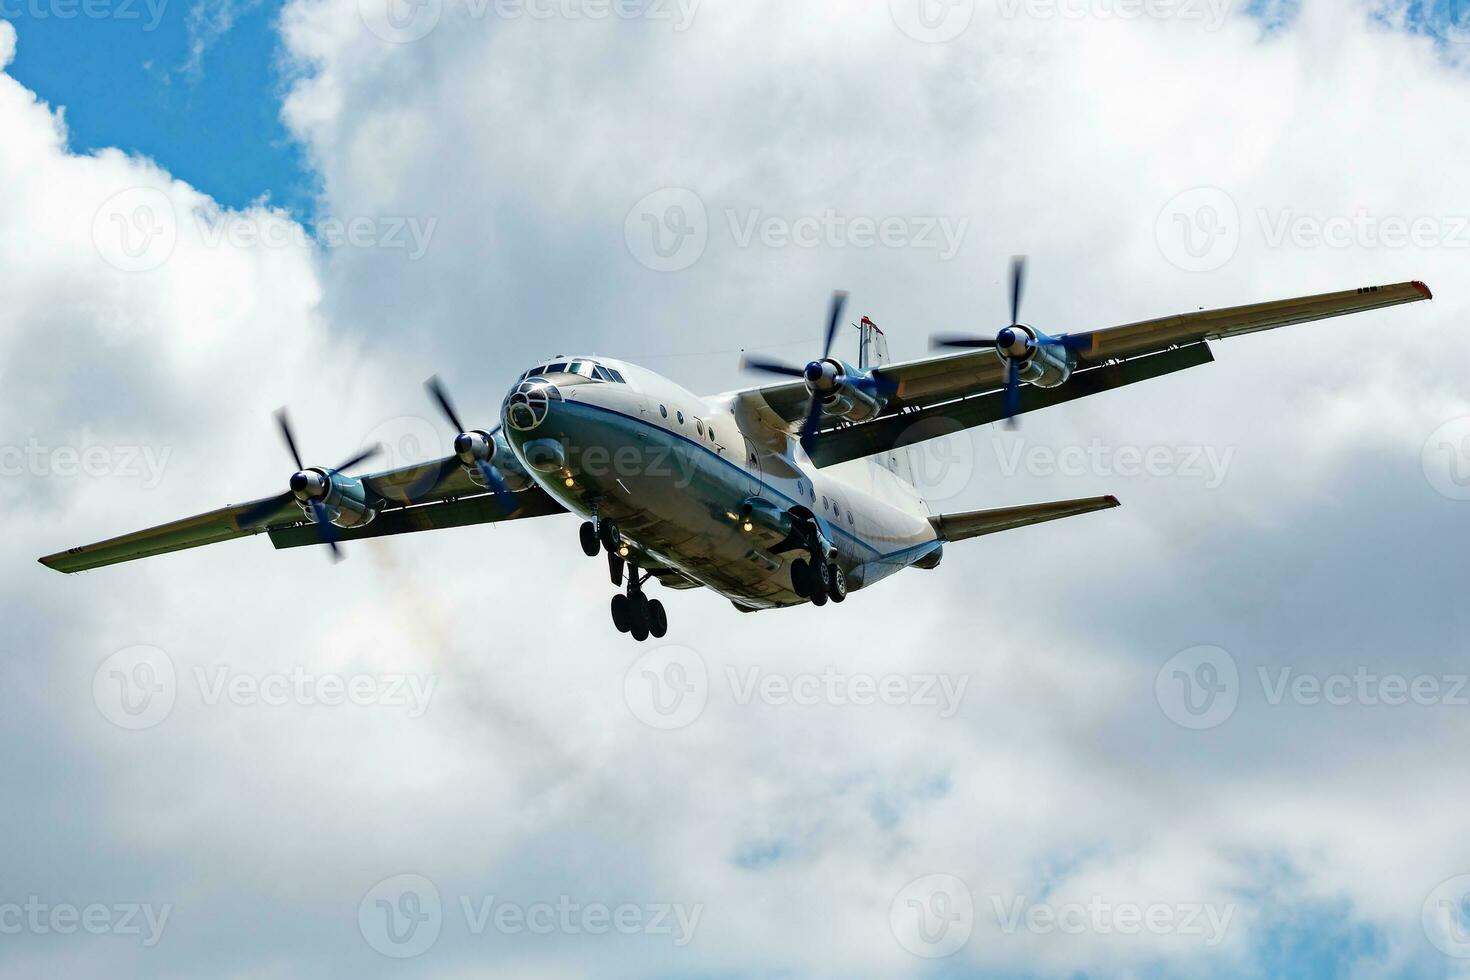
(616, 376)
(536, 371)
(584, 368)
(560, 367)
(601, 373)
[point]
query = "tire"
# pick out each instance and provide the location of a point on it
(590, 545)
(620, 613)
(836, 583)
(658, 620)
(638, 616)
(817, 583)
(611, 537)
(800, 577)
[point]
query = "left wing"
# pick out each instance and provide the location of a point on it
(949, 379)
(411, 498)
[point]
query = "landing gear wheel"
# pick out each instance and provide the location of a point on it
(836, 583)
(817, 582)
(611, 538)
(615, 568)
(800, 577)
(638, 616)
(590, 545)
(620, 613)
(658, 620)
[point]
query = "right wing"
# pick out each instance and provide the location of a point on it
(974, 524)
(413, 498)
(954, 386)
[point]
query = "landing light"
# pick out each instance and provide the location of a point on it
(623, 551)
(748, 526)
(570, 482)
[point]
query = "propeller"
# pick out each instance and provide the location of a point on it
(821, 376)
(311, 486)
(473, 447)
(1015, 344)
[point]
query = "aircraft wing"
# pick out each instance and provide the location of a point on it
(953, 378)
(413, 498)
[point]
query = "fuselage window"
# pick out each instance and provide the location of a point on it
(711, 433)
(663, 410)
(681, 417)
(699, 426)
(824, 503)
(849, 518)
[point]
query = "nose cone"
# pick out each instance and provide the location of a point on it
(300, 481)
(813, 372)
(463, 443)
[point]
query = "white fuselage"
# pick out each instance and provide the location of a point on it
(680, 476)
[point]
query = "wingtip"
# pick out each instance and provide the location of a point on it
(1113, 501)
(1423, 289)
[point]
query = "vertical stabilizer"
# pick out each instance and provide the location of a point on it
(872, 352)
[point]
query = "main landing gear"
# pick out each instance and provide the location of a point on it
(818, 580)
(632, 611)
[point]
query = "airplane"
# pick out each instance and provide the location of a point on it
(794, 492)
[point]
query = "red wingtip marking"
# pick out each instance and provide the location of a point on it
(1114, 501)
(1423, 289)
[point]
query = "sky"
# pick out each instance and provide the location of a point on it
(1212, 733)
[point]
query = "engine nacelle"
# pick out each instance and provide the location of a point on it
(345, 498)
(493, 448)
(845, 392)
(1043, 364)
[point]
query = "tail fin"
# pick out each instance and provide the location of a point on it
(873, 351)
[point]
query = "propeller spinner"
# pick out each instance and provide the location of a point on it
(1017, 345)
(474, 447)
(311, 486)
(822, 376)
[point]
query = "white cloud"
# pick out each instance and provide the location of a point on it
(528, 141)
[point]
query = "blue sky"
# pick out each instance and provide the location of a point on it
(127, 81)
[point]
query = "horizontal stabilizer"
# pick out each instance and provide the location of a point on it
(958, 527)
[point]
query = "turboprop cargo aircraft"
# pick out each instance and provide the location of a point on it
(744, 493)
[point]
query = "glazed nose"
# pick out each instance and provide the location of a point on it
(529, 404)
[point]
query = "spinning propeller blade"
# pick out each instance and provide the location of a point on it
(812, 420)
(504, 498)
(318, 510)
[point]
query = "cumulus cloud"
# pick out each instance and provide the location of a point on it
(137, 312)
